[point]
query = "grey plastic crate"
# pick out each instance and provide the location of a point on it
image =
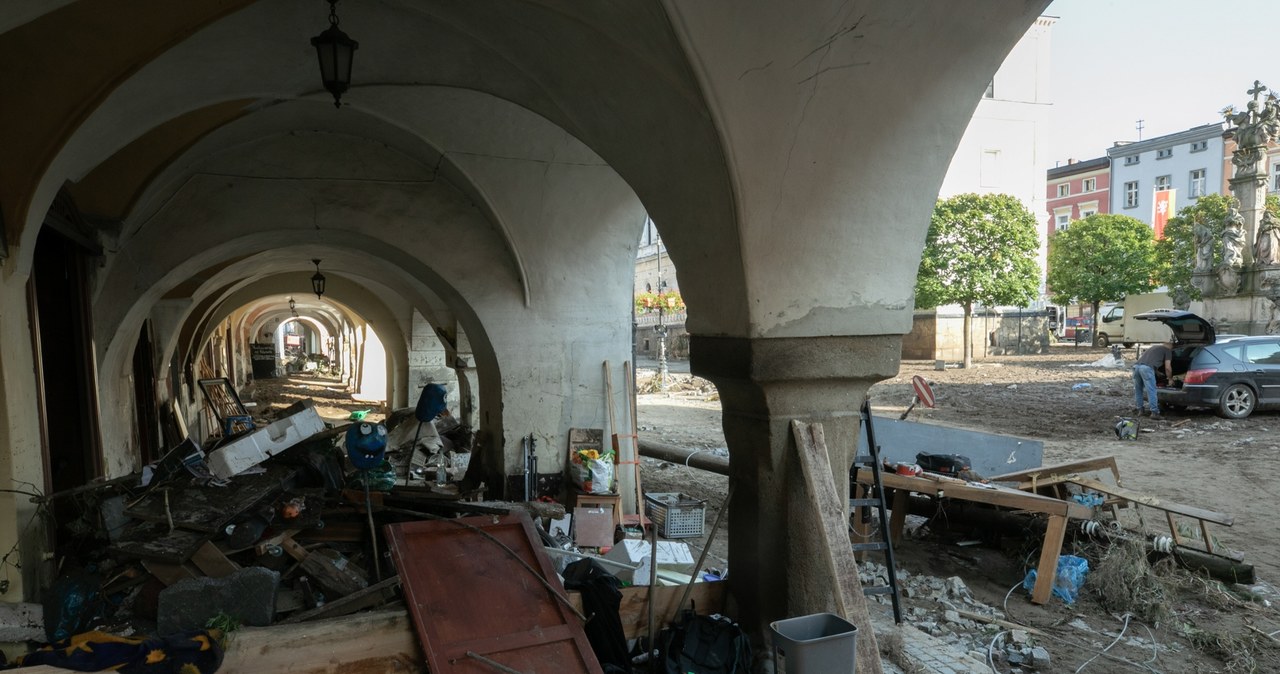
(822, 643)
(676, 515)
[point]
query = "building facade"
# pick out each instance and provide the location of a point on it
(1194, 163)
(1076, 190)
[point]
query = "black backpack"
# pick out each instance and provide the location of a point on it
(705, 645)
(946, 464)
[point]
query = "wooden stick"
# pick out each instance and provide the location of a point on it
(629, 372)
(996, 621)
(702, 558)
(653, 582)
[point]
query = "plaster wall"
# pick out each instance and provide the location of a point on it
(1178, 167)
(812, 166)
(429, 362)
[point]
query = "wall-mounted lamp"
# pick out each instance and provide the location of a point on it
(336, 51)
(317, 280)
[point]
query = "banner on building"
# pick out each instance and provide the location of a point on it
(1162, 208)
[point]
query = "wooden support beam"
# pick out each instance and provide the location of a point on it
(1047, 571)
(1046, 475)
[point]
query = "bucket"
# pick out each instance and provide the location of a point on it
(822, 643)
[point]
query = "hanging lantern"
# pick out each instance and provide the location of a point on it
(336, 51)
(317, 280)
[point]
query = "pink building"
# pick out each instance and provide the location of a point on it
(1075, 190)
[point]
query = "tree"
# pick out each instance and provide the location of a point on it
(981, 249)
(1176, 252)
(1099, 259)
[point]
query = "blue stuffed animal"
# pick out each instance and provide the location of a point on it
(366, 444)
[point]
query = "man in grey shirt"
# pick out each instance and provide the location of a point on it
(1144, 377)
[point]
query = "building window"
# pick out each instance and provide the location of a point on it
(1197, 183)
(1163, 182)
(1086, 212)
(1088, 184)
(1275, 178)
(1165, 153)
(1200, 146)
(991, 90)
(990, 174)
(1131, 194)
(1131, 160)
(1061, 221)
(1064, 190)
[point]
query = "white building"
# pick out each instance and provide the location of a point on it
(1003, 148)
(1191, 162)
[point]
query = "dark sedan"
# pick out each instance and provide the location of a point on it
(1233, 376)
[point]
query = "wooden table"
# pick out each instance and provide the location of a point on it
(944, 487)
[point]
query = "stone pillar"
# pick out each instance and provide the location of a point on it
(763, 385)
(1251, 190)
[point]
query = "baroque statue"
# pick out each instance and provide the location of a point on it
(1255, 126)
(1266, 250)
(1232, 251)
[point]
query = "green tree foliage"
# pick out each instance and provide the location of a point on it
(1101, 258)
(981, 250)
(1176, 252)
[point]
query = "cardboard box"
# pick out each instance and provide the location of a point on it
(251, 449)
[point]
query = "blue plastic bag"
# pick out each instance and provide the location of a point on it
(1069, 580)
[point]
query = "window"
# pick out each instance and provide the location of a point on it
(1131, 160)
(1086, 212)
(1061, 221)
(1088, 184)
(1275, 177)
(1165, 153)
(1163, 182)
(1200, 146)
(1266, 353)
(1064, 190)
(990, 170)
(1197, 183)
(1131, 194)
(991, 90)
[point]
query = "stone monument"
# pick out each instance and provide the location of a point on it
(1242, 293)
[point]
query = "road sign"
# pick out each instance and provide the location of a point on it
(923, 392)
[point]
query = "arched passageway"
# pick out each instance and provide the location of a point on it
(485, 182)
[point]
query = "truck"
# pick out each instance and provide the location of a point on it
(1118, 324)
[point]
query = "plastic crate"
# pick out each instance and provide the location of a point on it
(676, 515)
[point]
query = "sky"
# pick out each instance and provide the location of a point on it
(1171, 63)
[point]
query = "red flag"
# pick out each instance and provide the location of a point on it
(1162, 208)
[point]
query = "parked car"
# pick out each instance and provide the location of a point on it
(1235, 375)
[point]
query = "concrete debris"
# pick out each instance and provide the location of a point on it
(248, 594)
(21, 622)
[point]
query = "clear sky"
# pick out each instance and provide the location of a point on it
(1172, 63)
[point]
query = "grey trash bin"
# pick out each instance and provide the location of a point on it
(822, 643)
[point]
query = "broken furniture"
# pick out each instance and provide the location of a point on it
(224, 404)
(455, 573)
(612, 502)
(1058, 512)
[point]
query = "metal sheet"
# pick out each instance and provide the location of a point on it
(467, 593)
(991, 454)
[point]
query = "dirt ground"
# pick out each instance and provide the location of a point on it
(1193, 458)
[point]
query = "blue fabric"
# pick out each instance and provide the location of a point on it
(1144, 378)
(194, 652)
(431, 403)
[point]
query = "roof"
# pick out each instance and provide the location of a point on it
(1078, 167)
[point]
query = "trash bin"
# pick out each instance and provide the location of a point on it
(822, 643)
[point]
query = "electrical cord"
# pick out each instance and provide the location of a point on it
(1113, 643)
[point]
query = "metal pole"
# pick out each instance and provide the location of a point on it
(662, 327)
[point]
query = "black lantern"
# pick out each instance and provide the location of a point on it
(292, 305)
(317, 280)
(336, 51)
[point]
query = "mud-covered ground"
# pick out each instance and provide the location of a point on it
(1193, 458)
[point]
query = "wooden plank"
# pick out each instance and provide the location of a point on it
(898, 517)
(149, 540)
(366, 643)
(994, 495)
(1152, 502)
(1047, 571)
(169, 573)
(707, 598)
(210, 560)
(453, 578)
(1044, 473)
(821, 505)
(370, 596)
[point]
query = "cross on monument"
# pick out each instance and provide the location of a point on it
(1256, 90)
(1139, 127)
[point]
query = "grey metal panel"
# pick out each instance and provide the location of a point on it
(991, 454)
